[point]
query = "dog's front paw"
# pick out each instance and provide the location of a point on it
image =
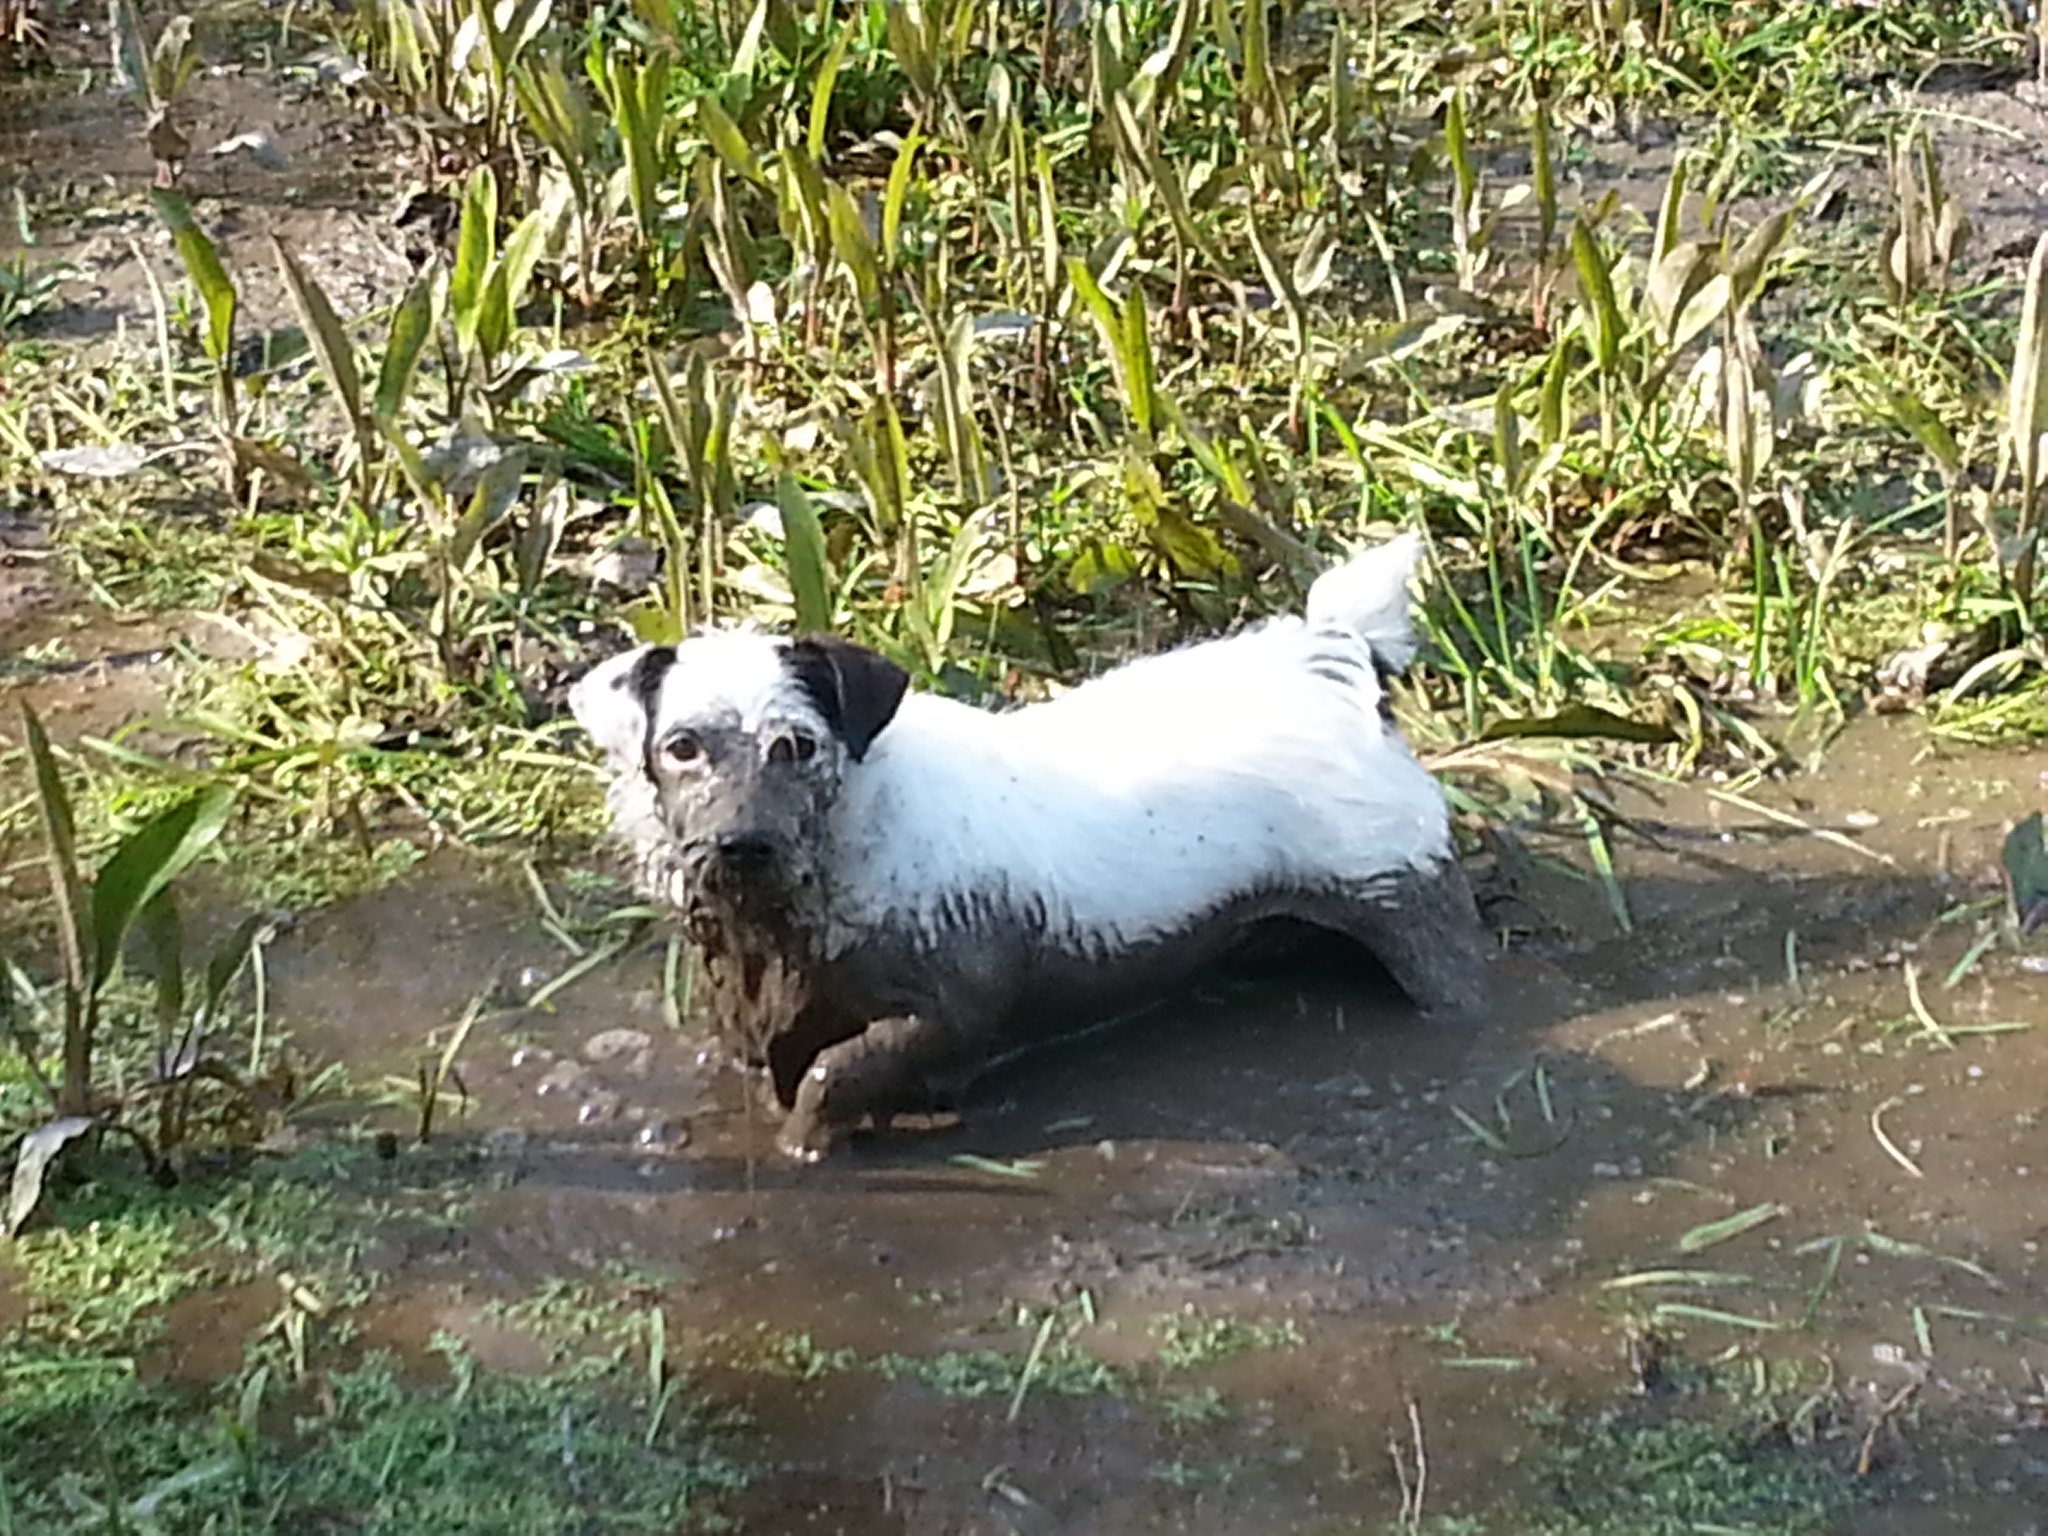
(811, 1129)
(806, 1138)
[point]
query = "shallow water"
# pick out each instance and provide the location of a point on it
(1290, 1152)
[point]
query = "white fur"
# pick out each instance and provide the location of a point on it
(1124, 810)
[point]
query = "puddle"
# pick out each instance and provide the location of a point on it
(1291, 1153)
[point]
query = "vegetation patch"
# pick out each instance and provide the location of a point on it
(1638, 1471)
(365, 1451)
(306, 1432)
(1009, 337)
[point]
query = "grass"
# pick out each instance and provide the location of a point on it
(477, 1453)
(305, 1427)
(1057, 1360)
(1008, 346)
(1656, 1475)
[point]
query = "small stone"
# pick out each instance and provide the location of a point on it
(1862, 821)
(561, 1077)
(601, 1105)
(1606, 1170)
(610, 1043)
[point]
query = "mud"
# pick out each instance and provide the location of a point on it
(75, 150)
(1288, 1151)
(86, 672)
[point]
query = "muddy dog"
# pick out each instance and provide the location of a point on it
(893, 890)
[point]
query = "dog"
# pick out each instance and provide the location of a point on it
(892, 890)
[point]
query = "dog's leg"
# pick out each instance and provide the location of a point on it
(1425, 929)
(893, 1066)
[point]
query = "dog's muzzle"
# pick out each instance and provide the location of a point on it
(743, 873)
(734, 860)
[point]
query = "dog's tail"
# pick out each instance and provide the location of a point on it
(1367, 596)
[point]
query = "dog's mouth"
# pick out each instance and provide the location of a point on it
(722, 896)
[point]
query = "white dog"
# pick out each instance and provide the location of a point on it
(892, 889)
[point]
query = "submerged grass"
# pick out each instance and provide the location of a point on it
(1646, 1474)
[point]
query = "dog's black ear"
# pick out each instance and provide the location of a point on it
(855, 689)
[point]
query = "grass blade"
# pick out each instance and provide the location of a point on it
(203, 266)
(475, 244)
(1603, 310)
(1713, 1233)
(60, 838)
(410, 324)
(822, 84)
(324, 332)
(148, 860)
(803, 538)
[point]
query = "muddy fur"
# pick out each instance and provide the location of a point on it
(892, 891)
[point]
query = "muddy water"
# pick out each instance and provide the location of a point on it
(1288, 1152)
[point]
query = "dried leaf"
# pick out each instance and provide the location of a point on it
(39, 1149)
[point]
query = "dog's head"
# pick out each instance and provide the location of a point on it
(734, 747)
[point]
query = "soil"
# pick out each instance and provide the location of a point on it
(72, 146)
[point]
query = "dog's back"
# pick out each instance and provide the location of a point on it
(1125, 808)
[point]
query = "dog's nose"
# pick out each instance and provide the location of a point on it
(744, 851)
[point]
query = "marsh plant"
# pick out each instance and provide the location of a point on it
(132, 892)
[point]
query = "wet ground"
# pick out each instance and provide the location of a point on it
(1292, 1155)
(275, 149)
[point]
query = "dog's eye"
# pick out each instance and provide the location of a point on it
(796, 747)
(682, 748)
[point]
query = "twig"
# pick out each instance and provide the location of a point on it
(1927, 1020)
(1891, 1147)
(1785, 819)
(1031, 1366)
(1412, 1492)
(1866, 1454)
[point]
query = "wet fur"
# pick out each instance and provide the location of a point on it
(950, 884)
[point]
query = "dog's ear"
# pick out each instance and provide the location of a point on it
(857, 690)
(614, 701)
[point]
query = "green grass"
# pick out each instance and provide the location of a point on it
(1671, 1468)
(1049, 1355)
(306, 1432)
(476, 1453)
(1629, 1471)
